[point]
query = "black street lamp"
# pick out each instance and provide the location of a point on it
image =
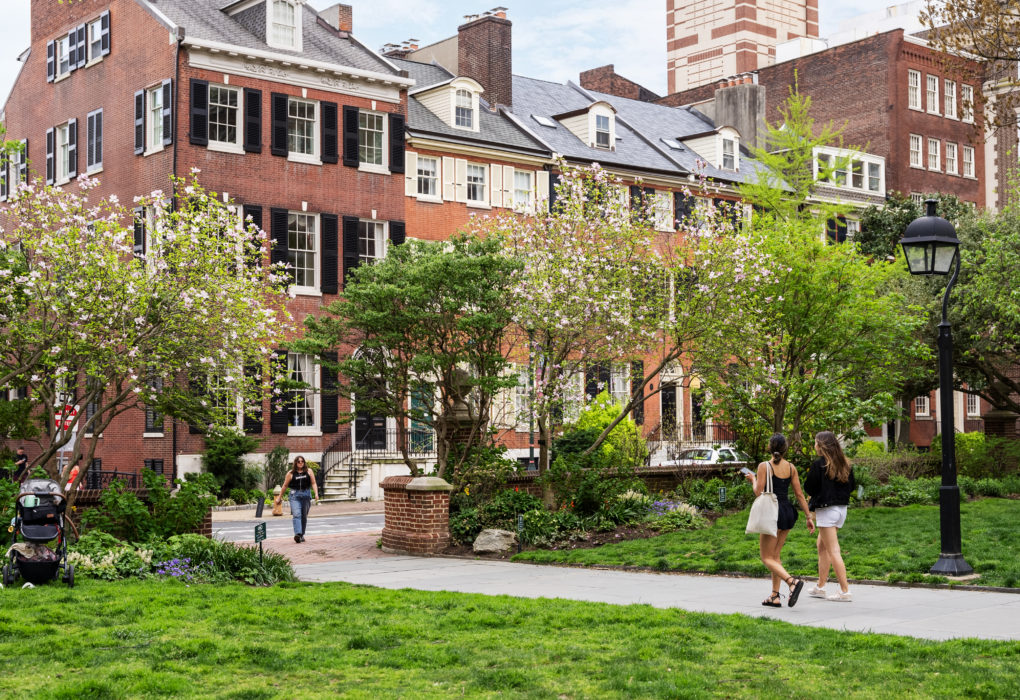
(931, 246)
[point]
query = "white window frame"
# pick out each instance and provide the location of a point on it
(218, 386)
(949, 95)
(967, 103)
(922, 407)
(931, 93)
(729, 156)
(61, 153)
(273, 38)
(425, 179)
(62, 57)
(843, 161)
(619, 383)
(527, 206)
(853, 229)
(968, 162)
(297, 362)
(94, 39)
(664, 213)
(600, 109)
(600, 131)
(973, 404)
(153, 119)
(951, 159)
(482, 188)
(914, 89)
(294, 218)
(95, 145)
(313, 157)
(383, 166)
(916, 154)
(379, 231)
(917, 198)
(934, 154)
(237, 145)
(522, 397)
(879, 179)
(463, 111)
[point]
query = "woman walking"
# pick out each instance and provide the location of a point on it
(781, 474)
(830, 481)
(302, 485)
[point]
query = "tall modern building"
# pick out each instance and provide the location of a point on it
(711, 39)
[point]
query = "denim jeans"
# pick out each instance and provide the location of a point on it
(300, 501)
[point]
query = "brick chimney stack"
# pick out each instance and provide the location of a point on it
(484, 53)
(340, 17)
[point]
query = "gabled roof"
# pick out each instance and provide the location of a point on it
(206, 20)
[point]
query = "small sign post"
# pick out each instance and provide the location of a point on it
(260, 534)
(722, 494)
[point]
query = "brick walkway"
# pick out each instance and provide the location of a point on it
(317, 549)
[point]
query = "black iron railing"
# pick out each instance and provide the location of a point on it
(96, 479)
(674, 437)
(340, 457)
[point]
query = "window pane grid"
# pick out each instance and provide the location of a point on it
(522, 189)
(284, 24)
(370, 138)
(222, 114)
(914, 89)
(476, 183)
(428, 176)
(464, 112)
(302, 407)
(933, 94)
(155, 117)
(874, 177)
(951, 159)
(370, 241)
(301, 248)
(301, 127)
(933, 154)
(602, 131)
(62, 152)
(915, 149)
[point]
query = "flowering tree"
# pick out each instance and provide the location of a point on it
(116, 317)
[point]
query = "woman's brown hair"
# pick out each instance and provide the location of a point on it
(836, 463)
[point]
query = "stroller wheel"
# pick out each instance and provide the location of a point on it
(69, 576)
(8, 577)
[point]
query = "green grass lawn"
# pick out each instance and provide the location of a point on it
(157, 639)
(877, 543)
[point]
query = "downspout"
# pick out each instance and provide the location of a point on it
(177, 103)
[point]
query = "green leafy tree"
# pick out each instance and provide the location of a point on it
(882, 227)
(423, 334)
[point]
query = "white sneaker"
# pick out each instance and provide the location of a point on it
(816, 592)
(840, 597)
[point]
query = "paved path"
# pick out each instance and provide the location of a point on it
(317, 549)
(915, 612)
(244, 530)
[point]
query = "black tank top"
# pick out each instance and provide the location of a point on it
(300, 481)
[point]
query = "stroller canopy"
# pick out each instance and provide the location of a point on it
(41, 487)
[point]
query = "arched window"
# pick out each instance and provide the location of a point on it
(464, 114)
(284, 24)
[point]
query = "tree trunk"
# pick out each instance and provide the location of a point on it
(544, 454)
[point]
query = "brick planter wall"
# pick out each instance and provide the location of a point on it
(417, 519)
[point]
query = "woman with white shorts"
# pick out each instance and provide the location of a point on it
(830, 481)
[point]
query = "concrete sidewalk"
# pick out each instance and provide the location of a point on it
(317, 511)
(916, 612)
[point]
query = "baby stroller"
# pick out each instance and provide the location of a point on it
(39, 518)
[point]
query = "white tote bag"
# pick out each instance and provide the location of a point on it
(764, 516)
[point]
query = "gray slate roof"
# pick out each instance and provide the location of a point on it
(204, 19)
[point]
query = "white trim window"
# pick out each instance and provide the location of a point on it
(477, 183)
(302, 130)
(915, 151)
(853, 229)
(95, 39)
(967, 103)
(619, 383)
(973, 405)
(63, 59)
(932, 93)
(62, 152)
(949, 95)
(94, 141)
(302, 410)
(922, 407)
(303, 249)
(224, 118)
(371, 241)
(857, 174)
(875, 177)
(917, 198)
(914, 89)
(968, 161)
(428, 177)
(522, 396)
(602, 132)
(823, 161)
(662, 206)
(371, 139)
(154, 101)
(934, 154)
(729, 158)
(284, 25)
(464, 109)
(951, 167)
(524, 191)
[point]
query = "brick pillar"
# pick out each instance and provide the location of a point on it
(1001, 424)
(417, 519)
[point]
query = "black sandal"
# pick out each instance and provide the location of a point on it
(794, 590)
(773, 601)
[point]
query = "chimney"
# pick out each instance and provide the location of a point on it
(399, 51)
(340, 17)
(484, 54)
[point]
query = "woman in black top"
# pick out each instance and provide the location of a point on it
(830, 481)
(772, 546)
(301, 480)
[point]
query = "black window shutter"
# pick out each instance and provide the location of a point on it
(139, 122)
(51, 61)
(253, 422)
(252, 120)
(104, 26)
(835, 229)
(351, 257)
(554, 181)
(197, 388)
(397, 232)
(199, 132)
(605, 376)
(591, 381)
(683, 207)
(329, 404)
(22, 174)
(82, 58)
(330, 254)
(278, 117)
(49, 157)
(90, 140)
(278, 232)
(168, 112)
(635, 197)
(3, 183)
(279, 413)
(350, 136)
(637, 377)
(72, 148)
(255, 213)
(139, 231)
(330, 146)
(72, 50)
(396, 143)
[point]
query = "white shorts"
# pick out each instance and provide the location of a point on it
(830, 516)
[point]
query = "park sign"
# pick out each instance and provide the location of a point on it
(260, 532)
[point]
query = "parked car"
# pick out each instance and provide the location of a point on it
(708, 456)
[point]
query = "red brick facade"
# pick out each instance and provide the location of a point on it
(417, 517)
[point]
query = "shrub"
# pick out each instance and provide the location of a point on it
(869, 448)
(481, 470)
(978, 455)
(465, 526)
(120, 513)
(502, 510)
(225, 447)
(543, 527)
(703, 494)
(906, 463)
(124, 515)
(681, 516)
(239, 495)
(276, 467)
(623, 447)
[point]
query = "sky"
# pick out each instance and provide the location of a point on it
(552, 39)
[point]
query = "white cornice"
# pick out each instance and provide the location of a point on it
(440, 146)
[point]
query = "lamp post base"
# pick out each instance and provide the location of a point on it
(951, 565)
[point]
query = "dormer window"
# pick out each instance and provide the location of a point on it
(465, 109)
(729, 159)
(602, 131)
(727, 149)
(283, 33)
